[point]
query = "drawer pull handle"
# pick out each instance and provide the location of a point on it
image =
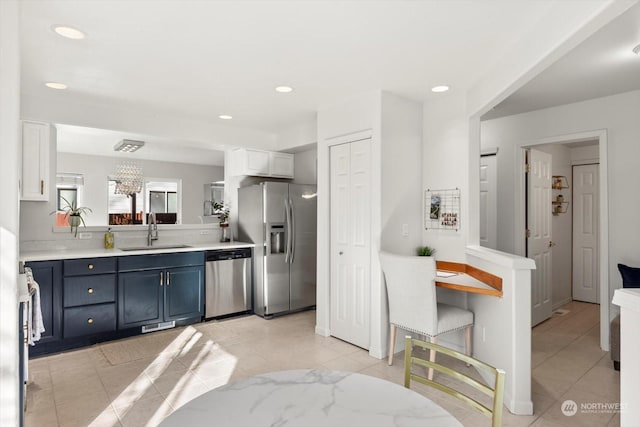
(90, 266)
(90, 320)
(168, 278)
(161, 279)
(42, 186)
(90, 290)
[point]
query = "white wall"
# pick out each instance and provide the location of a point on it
(305, 166)
(10, 147)
(617, 114)
(401, 174)
(446, 166)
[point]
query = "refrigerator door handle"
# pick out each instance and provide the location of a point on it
(287, 248)
(293, 232)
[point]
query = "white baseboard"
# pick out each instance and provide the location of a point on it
(325, 332)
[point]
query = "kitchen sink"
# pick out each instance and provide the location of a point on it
(154, 248)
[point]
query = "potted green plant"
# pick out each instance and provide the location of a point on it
(222, 212)
(74, 214)
(223, 218)
(426, 251)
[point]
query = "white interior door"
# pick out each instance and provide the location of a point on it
(351, 242)
(585, 233)
(488, 202)
(539, 243)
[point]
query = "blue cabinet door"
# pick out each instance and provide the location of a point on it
(140, 296)
(184, 293)
(48, 274)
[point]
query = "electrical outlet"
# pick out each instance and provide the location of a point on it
(405, 230)
(84, 236)
(484, 336)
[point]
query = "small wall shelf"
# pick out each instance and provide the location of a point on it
(559, 182)
(558, 205)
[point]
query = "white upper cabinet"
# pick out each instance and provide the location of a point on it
(256, 162)
(281, 165)
(36, 147)
(253, 162)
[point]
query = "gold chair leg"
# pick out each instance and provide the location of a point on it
(392, 343)
(468, 334)
(432, 357)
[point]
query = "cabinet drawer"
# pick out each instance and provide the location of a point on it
(84, 266)
(83, 290)
(89, 320)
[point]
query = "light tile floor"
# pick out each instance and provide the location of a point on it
(139, 381)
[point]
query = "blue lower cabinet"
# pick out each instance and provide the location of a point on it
(48, 275)
(152, 296)
(184, 293)
(140, 298)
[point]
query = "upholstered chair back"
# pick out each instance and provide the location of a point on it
(411, 290)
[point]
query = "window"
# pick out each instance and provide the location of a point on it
(69, 188)
(159, 196)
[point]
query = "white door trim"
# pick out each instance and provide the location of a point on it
(519, 209)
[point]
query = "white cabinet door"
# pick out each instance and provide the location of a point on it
(351, 242)
(256, 162)
(35, 161)
(281, 165)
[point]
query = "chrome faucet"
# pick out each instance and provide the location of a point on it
(152, 234)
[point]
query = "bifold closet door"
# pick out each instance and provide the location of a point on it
(351, 241)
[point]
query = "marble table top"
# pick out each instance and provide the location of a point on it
(311, 398)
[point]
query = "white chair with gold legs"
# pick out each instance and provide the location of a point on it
(494, 390)
(411, 291)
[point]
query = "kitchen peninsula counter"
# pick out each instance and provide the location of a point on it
(74, 253)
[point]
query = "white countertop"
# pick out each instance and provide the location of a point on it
(311, 398)
(57, 254)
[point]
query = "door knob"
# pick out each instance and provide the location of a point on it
(551, 244)
(340, 253)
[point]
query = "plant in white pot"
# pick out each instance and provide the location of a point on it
(73, 214)
(223, 217)
(426, 251)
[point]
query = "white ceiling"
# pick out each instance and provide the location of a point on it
(200, 59)
(602, 65)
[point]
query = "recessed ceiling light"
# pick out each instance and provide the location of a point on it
(68, 32)
(636, 50)
(439, 89)
(54, 85)
(225, 117)
(284, 89)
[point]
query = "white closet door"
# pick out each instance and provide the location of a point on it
(539, 241)
(488, 202)
(351, 242)
(585, 233)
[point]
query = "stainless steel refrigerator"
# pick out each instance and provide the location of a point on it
(280, 218)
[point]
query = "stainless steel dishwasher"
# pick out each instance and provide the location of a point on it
(228, 282)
